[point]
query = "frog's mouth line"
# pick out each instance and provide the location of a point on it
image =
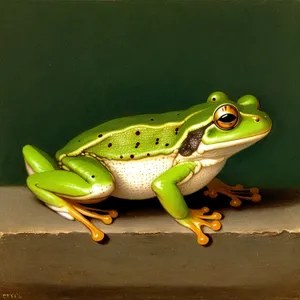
(244, 141)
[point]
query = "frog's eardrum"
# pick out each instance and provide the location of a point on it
(192, 142)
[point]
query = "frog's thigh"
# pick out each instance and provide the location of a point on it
(169, 195)
(88, 180)
(45, 185)
(52, 186)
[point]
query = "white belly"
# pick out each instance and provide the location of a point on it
(134, 178)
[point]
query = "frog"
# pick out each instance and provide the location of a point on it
(164, 156)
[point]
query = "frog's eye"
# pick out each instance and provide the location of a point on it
(226, 117)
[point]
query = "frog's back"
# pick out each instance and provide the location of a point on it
(133, 137)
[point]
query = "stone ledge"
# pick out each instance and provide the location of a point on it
(161, 266)
(278, 212)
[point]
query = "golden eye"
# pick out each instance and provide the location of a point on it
(226, 117)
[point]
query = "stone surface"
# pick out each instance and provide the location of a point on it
(279, 211)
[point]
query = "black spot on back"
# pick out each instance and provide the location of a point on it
(192, 142)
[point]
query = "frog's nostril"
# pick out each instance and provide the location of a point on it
(256, 119)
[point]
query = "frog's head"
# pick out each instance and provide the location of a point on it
(235, 126)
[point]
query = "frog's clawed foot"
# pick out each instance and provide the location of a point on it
(235, 193)
(196, 219)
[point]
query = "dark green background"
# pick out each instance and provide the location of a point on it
(66, 66)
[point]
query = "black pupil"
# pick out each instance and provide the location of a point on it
(228, 118)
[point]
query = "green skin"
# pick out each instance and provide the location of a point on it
(78, 172)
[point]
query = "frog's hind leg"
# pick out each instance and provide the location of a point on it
(87, 179)
(37, 161)
(61, 206)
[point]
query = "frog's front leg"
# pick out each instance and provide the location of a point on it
(235, 193)
(85, 181)
(168, 193)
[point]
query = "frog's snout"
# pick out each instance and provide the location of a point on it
(262, 120)
(257, 118)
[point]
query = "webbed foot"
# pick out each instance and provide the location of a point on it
(235, 193)
(72, 210)
(196, 219)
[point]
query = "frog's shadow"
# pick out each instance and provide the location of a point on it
(270, 198)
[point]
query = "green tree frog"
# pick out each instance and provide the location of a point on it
(166, 155)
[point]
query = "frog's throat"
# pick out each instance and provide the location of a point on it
(232, 146)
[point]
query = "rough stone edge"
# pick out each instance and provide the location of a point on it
(239, 234)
